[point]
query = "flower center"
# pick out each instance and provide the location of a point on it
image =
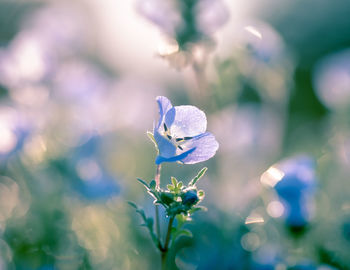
(177, 142)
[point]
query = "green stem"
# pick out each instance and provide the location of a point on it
(164, 257)
(168, 235)
(166, 244)
(157, 179)
(157, 176)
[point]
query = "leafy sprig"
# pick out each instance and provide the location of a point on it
(180, 203)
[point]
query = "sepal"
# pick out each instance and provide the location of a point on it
(198, 176)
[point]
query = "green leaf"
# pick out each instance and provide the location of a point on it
(177, 232)
(141, 212)
(150, 222)
(184, 232)
(152, 185)
(154, 194)
(167, 198)
(181, 220)
(198, 176)
(196, 209)
(143, 182)
(180, 243)
(174, 181)
(133, 205)
(150, 135)
(180, 185)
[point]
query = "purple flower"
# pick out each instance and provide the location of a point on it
(181, 134)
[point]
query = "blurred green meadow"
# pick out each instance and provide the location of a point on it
(78, 82)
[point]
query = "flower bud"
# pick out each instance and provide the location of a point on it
(190, 197)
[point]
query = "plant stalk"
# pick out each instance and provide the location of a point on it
(164, 251)
(157, 179)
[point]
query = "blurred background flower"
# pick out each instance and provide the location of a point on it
(294, 181)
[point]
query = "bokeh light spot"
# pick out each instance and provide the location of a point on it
(275, 209)
(254, 218)
(250, 241)
(272, 176)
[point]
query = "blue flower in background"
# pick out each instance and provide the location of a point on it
(296, 189)
(92, 180)
(181, 134)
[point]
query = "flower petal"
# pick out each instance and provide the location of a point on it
(164, 106)
(186, 121)
(166, 148)
(179, 157)
(205, 146)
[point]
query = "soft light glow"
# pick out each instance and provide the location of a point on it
(28, 58)
(254, 218)
(8, 139)
(198, 53)
(275, 209)
(272, 176)
(253, 31)
(168, 47)
(36, 148)
(31, 95)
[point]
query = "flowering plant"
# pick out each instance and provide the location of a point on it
(179, 136)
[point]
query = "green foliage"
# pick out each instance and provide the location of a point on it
(178, 198)
(143, 182)
(152, 185)
(182, 241)
(147, 222)
(198, 176)
(180, 203)
(150, 135)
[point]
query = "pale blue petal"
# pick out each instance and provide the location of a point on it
(164, 106)
(186, 121)
(166, 148)
(205, 147)
(179, 157)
